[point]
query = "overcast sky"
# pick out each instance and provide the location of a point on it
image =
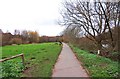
(39, 15)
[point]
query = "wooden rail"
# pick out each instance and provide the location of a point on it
(22, 56)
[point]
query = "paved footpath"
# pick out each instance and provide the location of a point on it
(68, 65)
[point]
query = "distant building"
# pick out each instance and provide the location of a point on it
(1, 31)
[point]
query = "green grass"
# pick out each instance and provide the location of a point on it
(39, 58)
(98, 67)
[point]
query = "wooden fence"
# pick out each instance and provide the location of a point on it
(19, 55)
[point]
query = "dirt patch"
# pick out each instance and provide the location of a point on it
(27, 73)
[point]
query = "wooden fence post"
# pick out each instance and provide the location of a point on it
(23, 61)
(22, 56)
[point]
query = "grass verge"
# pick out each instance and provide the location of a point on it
(98, 67)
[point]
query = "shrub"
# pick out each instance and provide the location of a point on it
(87, 44)
(16, 41)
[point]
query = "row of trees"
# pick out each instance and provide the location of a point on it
(25, 37)
(31, 36)
(96, 21)
(19, 37)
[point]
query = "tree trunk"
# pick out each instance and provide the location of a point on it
(99, 46)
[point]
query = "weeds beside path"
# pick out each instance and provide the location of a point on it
(98, 67)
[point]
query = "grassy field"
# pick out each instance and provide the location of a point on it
(98, 67)
(39, 58)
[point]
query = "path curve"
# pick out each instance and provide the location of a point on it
(68, 65)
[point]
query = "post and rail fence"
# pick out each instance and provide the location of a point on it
(19, 55)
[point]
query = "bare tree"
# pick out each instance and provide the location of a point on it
(93, 18)
(25, 36)
(71, 34)
(16, 32)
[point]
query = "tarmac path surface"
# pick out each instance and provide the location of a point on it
(68, 65)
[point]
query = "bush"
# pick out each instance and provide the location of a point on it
(16, 41)
(114, 55)
(87, 44)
